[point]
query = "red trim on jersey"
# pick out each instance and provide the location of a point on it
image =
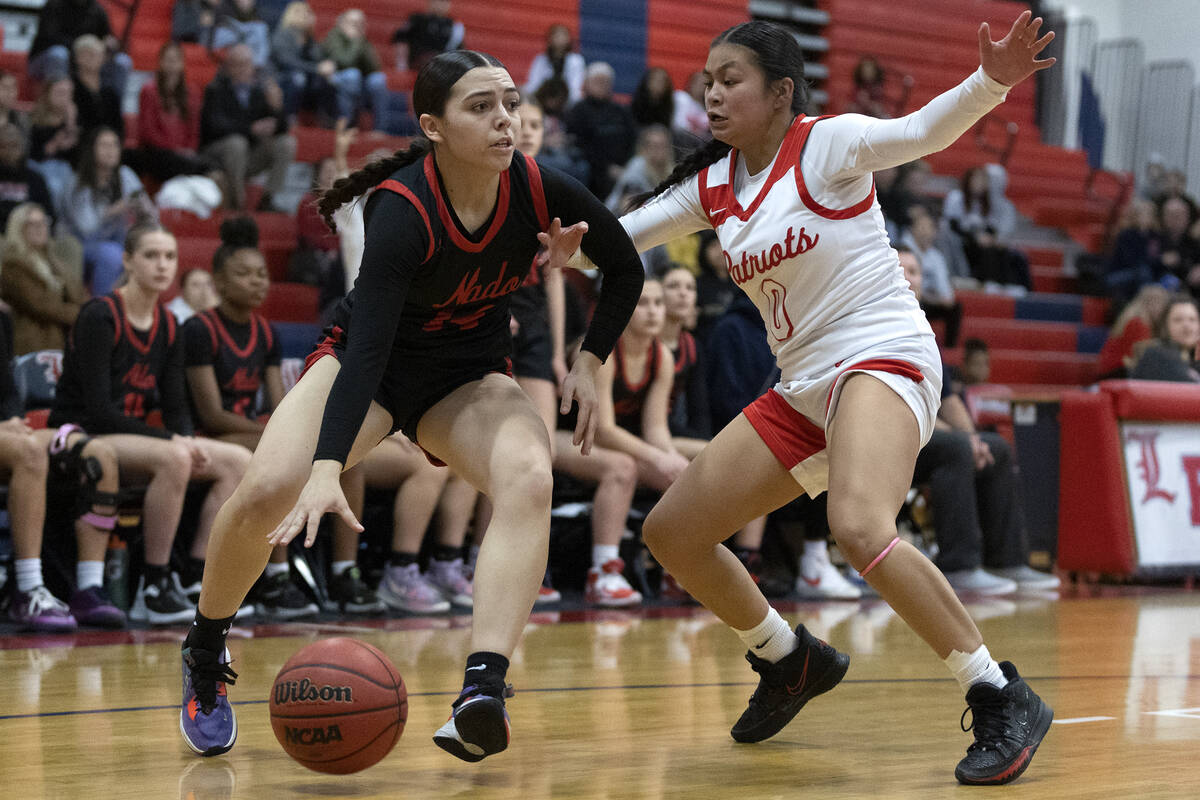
(212, 332)
(787, 433)
(117, 319)
(240, 352)
(720, 202)
(817, 208)
(460, 241)
(399, 188)
(325, 348)
(268, 334)
(141, 347)
(538, 191)
(651, 367)
(893, 366)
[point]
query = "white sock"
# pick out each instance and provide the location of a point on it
(274, 569)
(814, 558)
(603, 553)
(973, 668)
(816, 548)
(29, 574)
(89, 574)
(771, 639)
(341, 566)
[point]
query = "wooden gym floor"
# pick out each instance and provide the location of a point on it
(636, 705)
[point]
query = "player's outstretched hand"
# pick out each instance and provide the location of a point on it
(322, 493)
(1014, 58)
(580, 386)
(561, 243)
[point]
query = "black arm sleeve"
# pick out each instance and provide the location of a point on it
(609, 248)
(395, 247)
(177, 417)
(93, 336)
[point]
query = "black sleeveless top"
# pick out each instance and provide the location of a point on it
(629, 399)
(239, 354)
(114, 376)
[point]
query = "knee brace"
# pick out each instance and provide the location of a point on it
(891, 545)
(70, 465)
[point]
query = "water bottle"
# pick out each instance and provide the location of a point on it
(116, 572)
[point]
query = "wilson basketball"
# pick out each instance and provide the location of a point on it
(338, 706)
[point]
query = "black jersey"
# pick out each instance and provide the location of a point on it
(239, 354)
(432, 299)
(629, 399)
(114, 375)
(688, 411)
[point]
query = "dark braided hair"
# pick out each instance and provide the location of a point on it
(237, 233)
(779, 56)
(430, 92)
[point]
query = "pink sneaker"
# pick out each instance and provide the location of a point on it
(607, 587)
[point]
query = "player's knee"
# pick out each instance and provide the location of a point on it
(530, 482)
(860, 530)
(265, 489)
(620, 470)
(656, 532)
(33, 456)
(234, 461)
(104, 453)
(176, 462)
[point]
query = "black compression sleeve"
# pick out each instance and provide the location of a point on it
(93, 336)
(395, 247)
(609, 248)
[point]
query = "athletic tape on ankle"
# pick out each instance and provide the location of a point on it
(863, 573)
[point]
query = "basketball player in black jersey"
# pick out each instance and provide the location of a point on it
(122, 363)
(421, 344)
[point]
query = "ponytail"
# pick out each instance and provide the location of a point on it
(691, 164)
(360, 181)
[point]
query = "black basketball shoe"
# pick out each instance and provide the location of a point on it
(1009, 725)
(784, 687)
(478, 726)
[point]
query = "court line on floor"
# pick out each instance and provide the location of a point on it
(628, 687)
(1078, 720)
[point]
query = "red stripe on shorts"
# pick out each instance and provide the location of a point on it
(893, 366)
(789, 435)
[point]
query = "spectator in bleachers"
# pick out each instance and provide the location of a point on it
(25, 464)
(557, 150)
(197, 293)
(358, 70)
(1179, 253)
(60, 23)
(1175, 185)
(303, 69)
(558, 60)
(54, 134)
(42, 289)
(976, 366)
(1173, 354)
(19, 183)
(95, 103)
(603, 129)
(689, 419)
(972, 477)
(983, 218)
(101, 201)
(937, 294)
(1133, 328)
(169, 121)
(122, 362)
(193, 20)
(715, 290)
(654, 99)
(238, 23)
(426, 34)
(653, 161)
(1135, 253)
(690, 116)
(244, 129)
(869, 94)
(898, 190)
(9, 114)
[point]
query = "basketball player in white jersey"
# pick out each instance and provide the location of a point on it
(793, 204)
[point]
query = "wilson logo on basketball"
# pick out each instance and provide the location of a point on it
(765, 260)
(304, 691)
(314, 735)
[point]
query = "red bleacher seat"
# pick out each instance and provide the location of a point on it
(291, 302)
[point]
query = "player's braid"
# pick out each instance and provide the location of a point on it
(360, 181)
(710, 153)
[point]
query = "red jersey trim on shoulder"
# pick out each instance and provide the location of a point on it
(537, 190)
(140, 346)
(815, 207)
(118, 322)
(241, 352)
(498, 217)
(725, 199)
(651, 366)
(399, 188)
(268, 333)
(171, 323)
(203, 316)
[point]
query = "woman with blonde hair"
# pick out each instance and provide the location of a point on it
(1131, 331)
(304, 71)
(40, 285)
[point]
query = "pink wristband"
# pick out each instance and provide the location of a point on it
(878, 558)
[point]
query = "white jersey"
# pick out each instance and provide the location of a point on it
(805, 239)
